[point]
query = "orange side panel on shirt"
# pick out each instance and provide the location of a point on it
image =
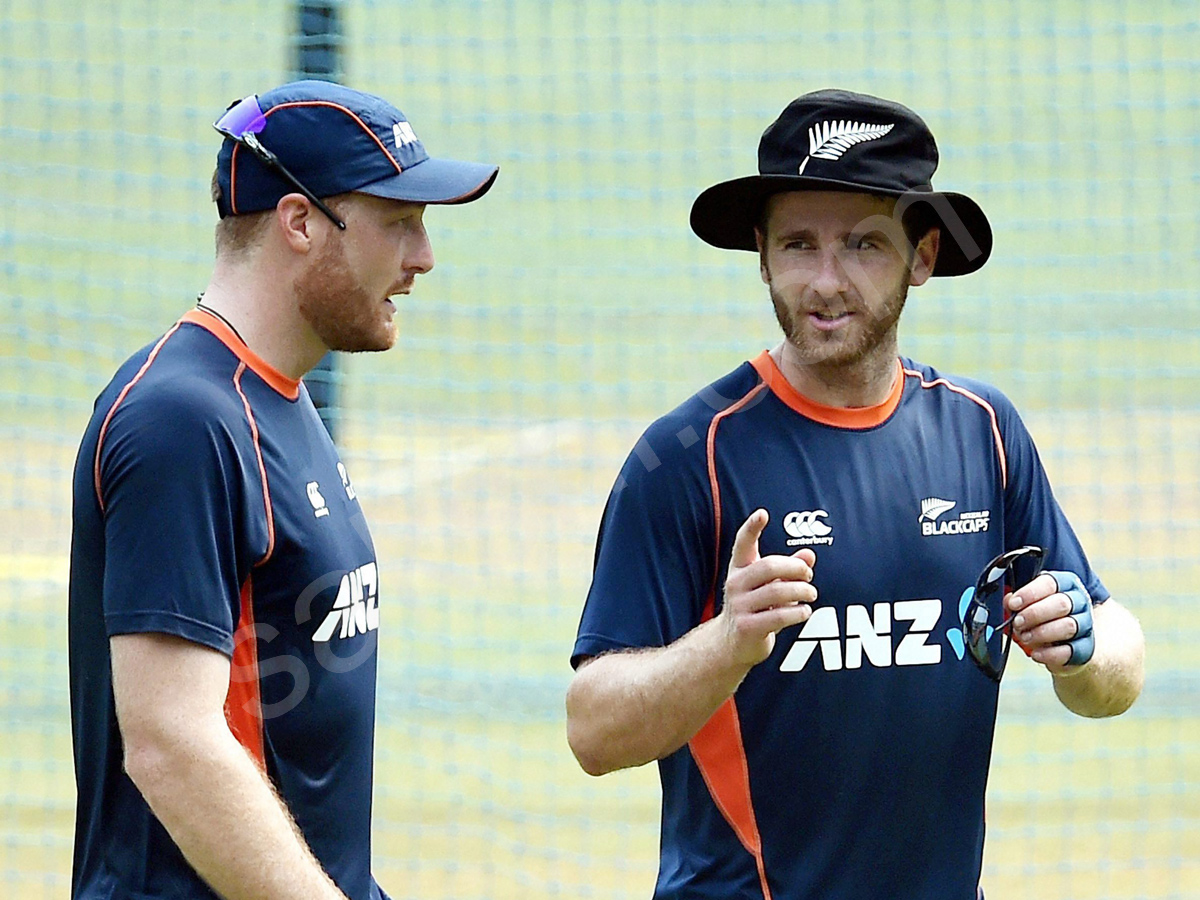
(719, 754)
(717, 747)
(243, 703)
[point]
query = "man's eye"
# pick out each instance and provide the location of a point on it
(864, 243)
(797, 245)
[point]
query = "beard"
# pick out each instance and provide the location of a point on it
(343, 313)
(872, 329)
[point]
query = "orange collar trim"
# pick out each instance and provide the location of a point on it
(282, 384)
(838, 416)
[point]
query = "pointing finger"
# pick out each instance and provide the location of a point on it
(745, 544)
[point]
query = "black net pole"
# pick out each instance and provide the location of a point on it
(318, 54)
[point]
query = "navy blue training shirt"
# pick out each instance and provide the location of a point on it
(210, 504)
(852, 763)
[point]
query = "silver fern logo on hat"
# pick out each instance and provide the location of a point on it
(829, 140)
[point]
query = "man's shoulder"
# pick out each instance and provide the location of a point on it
(686, 426)
(949, 385)
(172, 393)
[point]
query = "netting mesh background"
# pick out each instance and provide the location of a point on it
(570, 308)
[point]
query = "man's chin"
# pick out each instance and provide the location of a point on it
(834, 353)
(367, 346)
(364, 343)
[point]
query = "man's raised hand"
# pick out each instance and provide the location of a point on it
(763, 594)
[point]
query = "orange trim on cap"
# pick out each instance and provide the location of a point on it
(262, 469)
(243, 703)
(233, 179)
(464, 198)
(942, 382)
(363, 125)
(282, 384)
(838, 416)
(717, 747)
(112, 410)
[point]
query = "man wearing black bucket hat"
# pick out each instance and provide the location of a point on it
(224, 599)
(787, 610)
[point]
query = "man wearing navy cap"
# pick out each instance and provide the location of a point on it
(224, 599)
(799, 610)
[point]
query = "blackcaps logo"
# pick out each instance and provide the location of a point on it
(932, 508)
(829, 140)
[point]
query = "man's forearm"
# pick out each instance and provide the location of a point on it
(224, 816)
(1112, 680)
(629, 708)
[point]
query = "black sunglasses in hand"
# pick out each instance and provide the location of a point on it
(989, 643)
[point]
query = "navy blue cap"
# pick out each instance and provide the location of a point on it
(334, 139)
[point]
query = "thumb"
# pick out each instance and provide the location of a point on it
(745, 544)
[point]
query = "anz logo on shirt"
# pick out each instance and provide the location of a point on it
(868, 636)
(356, 607)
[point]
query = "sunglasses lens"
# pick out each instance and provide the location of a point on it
(985, 613)
(981, 626)
(244, 117)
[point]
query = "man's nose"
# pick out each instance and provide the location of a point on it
(830, 278)
(418, 255)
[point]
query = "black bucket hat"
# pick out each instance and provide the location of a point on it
(835, 140)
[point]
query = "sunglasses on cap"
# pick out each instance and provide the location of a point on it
(241, 123)
(989, 643)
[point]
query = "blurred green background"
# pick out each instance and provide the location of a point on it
(572, 307)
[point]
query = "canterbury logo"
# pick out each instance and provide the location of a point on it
(806, 524)
(807, 528)
(829, 140)
(932, 507)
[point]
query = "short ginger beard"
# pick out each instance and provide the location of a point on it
(338, 308)
(879, 320)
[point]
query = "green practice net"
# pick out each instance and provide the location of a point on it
(573, 306)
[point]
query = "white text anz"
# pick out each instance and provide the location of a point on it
(356, 608)
(868, 636)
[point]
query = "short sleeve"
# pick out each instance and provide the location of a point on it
(173, 494)
(655, 557)
(1031, 512)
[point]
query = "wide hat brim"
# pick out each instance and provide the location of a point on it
(435, 181)
(726, 214)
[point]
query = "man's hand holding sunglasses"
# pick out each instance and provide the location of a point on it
(1053, 621)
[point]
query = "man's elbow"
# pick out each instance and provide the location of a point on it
(157, 754)
(1130, 685)
(588, 749)
(1130, 677)
(149, 762)
(586, 741)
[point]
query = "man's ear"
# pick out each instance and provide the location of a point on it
(294, 215)
(760, 240)
(925, 257)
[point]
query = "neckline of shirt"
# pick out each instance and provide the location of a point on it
(837, 416)
(276, 380)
